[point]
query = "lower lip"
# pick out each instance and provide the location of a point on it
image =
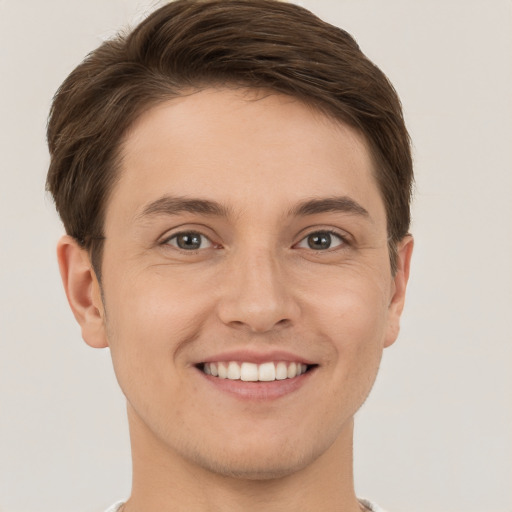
(262, 391)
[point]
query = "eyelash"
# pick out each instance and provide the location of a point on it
(331, 233)
(343, 239)
(192, 234)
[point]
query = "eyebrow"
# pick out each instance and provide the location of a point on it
(172, 205)
(343, 204)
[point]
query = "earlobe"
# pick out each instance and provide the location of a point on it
(400, 279)
(82, 290)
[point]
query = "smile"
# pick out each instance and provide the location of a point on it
(251, 372)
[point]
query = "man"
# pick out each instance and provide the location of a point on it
(234, 178)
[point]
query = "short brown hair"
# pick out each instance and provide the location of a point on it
(198, 43)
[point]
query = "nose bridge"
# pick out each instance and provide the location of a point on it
(257, 292)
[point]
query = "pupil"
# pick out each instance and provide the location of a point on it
(189, 241)
(319, 241)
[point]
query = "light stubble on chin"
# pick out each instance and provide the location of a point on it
(251, 466)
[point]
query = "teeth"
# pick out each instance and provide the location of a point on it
(233, 371)
(281, 371)
(267, 372)
(223, 371)
(250, 372)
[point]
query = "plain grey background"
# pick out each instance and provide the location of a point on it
(436, 433)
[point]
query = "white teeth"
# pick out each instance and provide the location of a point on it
(281, 371)
(223, 371)
(251, 372)
(267, 372)
(233, 371)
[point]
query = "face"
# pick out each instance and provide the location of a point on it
(247, 290)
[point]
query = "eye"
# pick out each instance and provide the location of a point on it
(321, 241)
(189, 241)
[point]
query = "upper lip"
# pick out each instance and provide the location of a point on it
(257, 357)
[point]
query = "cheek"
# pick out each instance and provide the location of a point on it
(149, 306)
(148, 321)
(354, 306)
(353, 314)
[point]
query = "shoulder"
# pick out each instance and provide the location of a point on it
(372, 507)
(115, 507)
(368, 504)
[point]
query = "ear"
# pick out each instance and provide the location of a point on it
(82, 290)
(400, 279)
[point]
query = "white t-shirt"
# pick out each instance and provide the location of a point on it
(368, 504)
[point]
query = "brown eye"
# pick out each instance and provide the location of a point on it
(189, 241)
(321, 241)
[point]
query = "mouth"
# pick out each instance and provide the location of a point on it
(258, 376)
(269, 371)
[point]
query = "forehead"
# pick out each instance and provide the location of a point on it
(236, 145)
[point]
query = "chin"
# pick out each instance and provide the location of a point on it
(254, 468)
(261, 462)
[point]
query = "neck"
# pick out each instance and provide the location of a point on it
(164, 481)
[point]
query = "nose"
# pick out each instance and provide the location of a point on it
(257, 295)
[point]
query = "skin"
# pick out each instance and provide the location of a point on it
(254, 285)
